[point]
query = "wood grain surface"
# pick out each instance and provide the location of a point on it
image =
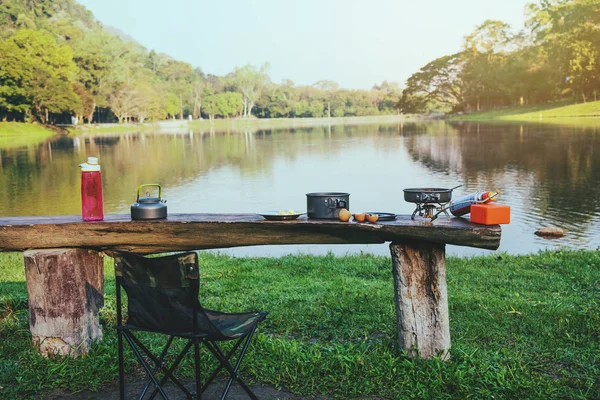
(421, 298)
(211, 231)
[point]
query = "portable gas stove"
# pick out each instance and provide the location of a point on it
(430, 202)
(429, 210)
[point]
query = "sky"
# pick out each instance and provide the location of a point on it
(354, 43)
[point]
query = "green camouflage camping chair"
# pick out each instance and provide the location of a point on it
(162, 296)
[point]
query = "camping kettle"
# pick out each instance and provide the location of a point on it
(149, 207)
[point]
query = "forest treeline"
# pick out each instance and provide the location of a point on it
(555, 57)
(57, 61)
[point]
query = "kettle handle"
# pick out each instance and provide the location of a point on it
(150, 184)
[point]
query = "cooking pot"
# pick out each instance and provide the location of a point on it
(149, 207)
(326, 205)
(428, 195)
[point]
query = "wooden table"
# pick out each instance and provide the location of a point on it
(65, 281)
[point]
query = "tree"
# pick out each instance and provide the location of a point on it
(388, 96)
(491, 36)
(36, 71)
(413, 103)
(95, 53)
(14, 71)
(330, 88)
(226, 104)
(276, 100)
(229, 104)
(179, 77)
(300, 109)
(249, 81)
(197, 90)
(439, 80)
(315, 108)
(147, 103)
(173, 105)
(559, 56)
(107, 73)
(484, 57)
(122, 103)
(51, 95)
(210, 106)
(157, 63)
(569, 31)
(86, 101)
(327, 85)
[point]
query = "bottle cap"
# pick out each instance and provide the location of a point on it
(91, 165)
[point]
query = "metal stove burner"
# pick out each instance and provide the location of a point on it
(429, 210)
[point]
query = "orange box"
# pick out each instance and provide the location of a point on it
(490, 214)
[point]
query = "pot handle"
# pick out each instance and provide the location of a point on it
(335, 203)
(431, 196)
(150, 184)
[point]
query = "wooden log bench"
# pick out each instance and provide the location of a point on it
(64, 268)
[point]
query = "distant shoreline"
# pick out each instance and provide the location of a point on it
(586, 114)
(241, 123)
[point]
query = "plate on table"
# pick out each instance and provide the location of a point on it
(280, 215)
(383, 216)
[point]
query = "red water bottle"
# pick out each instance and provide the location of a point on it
(92, 204)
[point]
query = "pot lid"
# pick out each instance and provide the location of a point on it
(327, 194)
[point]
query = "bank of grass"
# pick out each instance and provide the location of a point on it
(17, 134)
(116, 128)
(522, 327)
(235, 124)
(553, 113)
(20, 128)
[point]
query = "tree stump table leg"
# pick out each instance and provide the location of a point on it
(421, 298)
(65, 289)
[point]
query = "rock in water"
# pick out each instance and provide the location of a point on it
(550, 231)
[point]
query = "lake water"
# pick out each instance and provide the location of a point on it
(549, 175)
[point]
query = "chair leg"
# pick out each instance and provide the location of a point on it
(220, 366)
(227, 365)
(121, 366)
(157, 366)
(237, 365)
(145, 366)
(168, 372)
(172, 369)
(218, 353)
(197, 366)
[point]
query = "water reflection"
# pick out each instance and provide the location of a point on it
(552, 169)
(548, 174)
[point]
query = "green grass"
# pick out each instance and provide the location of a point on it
(553, 113)
(522, 327)
(20, 128)
(113, 128)
(17, 134)
(237, 124)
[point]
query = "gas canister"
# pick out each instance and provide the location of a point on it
(462, 205)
